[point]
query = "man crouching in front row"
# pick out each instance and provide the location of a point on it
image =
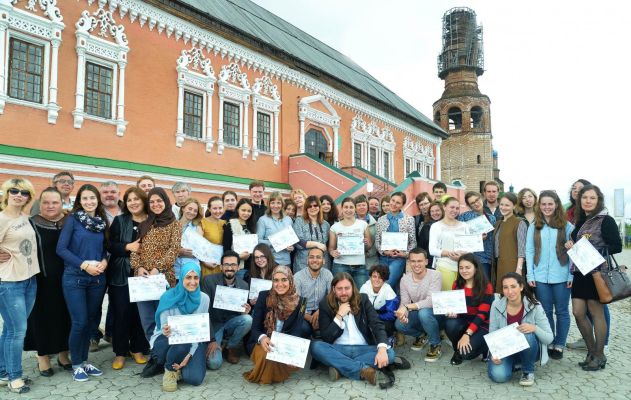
(354, 338)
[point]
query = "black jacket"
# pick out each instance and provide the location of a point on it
(122, 233)
(294, 325)
(209, 286)
(367, 320)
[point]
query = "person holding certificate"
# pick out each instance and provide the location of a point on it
(510, 239)
(261, 265)
(593, 223)
(181, 361)
(435, 213)
(160, 238)
(518, 305)
(127, 333)
(547, 263)
(213, 227)
(466, 331)
(395, 220)
(441, 242)
(280, 309)
(474, 201)
(354, 233)
(272, 222)
(312, 231)
(242, 224)
(190, 217)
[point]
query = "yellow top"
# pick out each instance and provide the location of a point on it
(213, 231)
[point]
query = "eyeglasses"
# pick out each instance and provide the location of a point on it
(65, 181)
(259, 257)
(314, 206)
(280, 280)
(16, 191)
(231, 265)
(314, 257)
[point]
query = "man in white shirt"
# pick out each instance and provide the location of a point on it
(313, 283)
(353, 337)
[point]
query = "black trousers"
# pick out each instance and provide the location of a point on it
(127, 333)
(456, 327)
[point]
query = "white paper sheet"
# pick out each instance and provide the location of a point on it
(283, 239)
(350, 245)
(193, 328)
(394, 241)
(479, 225)
(231, 299)
(146, 288)
(242, 243)
(288, 349)
(506, 341)
(449, 302)
(257, 286)
(468, 243)
(202, 249)
(585, 256)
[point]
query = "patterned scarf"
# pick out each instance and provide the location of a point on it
(93, 224)
(280, 307)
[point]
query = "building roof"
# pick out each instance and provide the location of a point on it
(250, 19)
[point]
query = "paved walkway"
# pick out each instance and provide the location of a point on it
(557, 380)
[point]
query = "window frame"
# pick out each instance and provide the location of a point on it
(103, 64)
(355, 155)
(42, 78)
(269, 132)
(234, 88)
(202, 116)
(239, 120)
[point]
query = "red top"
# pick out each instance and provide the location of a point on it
(478, 314)
(511, 319)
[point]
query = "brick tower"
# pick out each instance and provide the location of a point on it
(462, 111)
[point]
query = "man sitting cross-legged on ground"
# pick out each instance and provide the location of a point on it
(415, 316)
(354, 338)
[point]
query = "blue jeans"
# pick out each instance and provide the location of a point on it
(556, 297)
(358, 272)
(84, 297)
(147, 312)
(504, 371)
(348, 359)
(396, 265)
(235, 329)
(16, 303)
(194, 371)
(420, 322)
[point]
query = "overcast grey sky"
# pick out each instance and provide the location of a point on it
(556, 73)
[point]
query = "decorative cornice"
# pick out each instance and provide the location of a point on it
(265, 86)
(370, 132)
(49, 7)
(177, 28)
(416, 150)
(194, 60)
(103, 18)
(231, 73)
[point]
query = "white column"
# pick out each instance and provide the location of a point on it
(53, 107)
(78, 111)
(3, 39)
(302, 134)
(246, 150)
(276, 138)
(209, 121)
(120, 109)
(220, 128)
(179, 133)
(335, 144)
(255, 122)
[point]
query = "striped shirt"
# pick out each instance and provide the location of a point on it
(477, 314)
(313, 289)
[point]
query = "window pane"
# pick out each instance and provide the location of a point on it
(193, 114)
(25, 71)
(358, 154)
(231, 119)
(373, 161)
(263, 128)
(98, 90)
(386, 165)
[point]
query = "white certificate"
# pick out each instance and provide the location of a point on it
(231, 299)
(146, 288)
(506, 341)
(202, 249)
(243, 243)
(350, 245)
(480, 225)
(257, 286)
(288, 349)
(468, 243)
(193, 328)
(394, 241)
(585, 256)
(283, 239)
(449, 302)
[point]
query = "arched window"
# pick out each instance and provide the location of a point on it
(479, 159)
(455, 118)
(476, 117)
(437, 117)
(316, 144)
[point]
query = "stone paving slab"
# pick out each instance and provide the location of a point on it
(557, 380)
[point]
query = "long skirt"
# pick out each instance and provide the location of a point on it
(266, 371)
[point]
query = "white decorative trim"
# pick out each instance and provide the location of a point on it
(101, 49)
(266, 98)
(194, 71)
(234, 85)
(180, 29)
(332, 119)
(417, 153)
(13, 19)
(381, 139)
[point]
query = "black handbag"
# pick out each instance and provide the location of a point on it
(612, 278)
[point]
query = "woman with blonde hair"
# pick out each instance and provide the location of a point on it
(213, 227)
(298, 196)
(526, 202)
(17, 275)
(312, 230)
(190, 219)
(272, 222)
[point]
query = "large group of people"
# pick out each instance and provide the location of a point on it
(356, 306)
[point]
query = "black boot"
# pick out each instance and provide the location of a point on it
(152, 368)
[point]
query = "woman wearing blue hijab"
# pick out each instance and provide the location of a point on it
(182, 361)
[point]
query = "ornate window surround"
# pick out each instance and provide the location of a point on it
(234, 85)
(320, 119)
(195, 74)
(15, 22)
(416, 152)
(369, 135)
(265, 98)
(111, 54)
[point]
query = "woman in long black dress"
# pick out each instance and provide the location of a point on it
(48, 325)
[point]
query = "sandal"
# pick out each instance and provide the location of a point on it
(24, 388)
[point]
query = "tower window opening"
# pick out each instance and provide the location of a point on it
(455, 118)
(476, 117)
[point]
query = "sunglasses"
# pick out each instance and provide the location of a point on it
(16, 191)
(314, 206)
